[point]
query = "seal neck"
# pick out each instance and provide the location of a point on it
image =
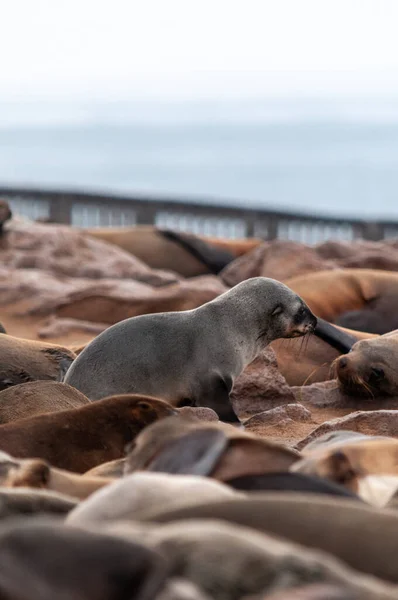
(242, 320)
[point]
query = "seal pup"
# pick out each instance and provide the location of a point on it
(82, 438)
(192, 357)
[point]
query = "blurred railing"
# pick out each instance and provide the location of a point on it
(104, 210)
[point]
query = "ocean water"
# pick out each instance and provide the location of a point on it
(311, 157)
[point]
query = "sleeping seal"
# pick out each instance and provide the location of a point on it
(192, 357)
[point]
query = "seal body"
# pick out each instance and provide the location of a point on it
(83, 438)
(191, 357)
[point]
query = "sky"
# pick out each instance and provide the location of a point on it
(112, 49)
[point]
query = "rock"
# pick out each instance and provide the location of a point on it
(260, 387)
(62, 250)
(377, 422)
(119, 301)
(281, 415)
(201, 413)
(328, 394)
(279, 260)
(58, 327)
(103, 301)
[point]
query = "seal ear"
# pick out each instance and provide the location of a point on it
(195, 453)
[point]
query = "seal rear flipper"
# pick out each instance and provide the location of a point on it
(213, 258)
(195, 453)
(340, 340)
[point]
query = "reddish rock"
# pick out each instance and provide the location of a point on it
(284, 416)
(62, 250)
(103, 301)
(279, 260)
(377, 422)
(260, 387)
(58, 327)
(202, 413)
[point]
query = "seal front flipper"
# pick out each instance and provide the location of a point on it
(215, 394)
(340, 340)
(195, 453)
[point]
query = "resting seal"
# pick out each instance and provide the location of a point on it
(365, 465)
(192, 357)
(27, 360)
(82, 438)
(371, 367)
(330, 294)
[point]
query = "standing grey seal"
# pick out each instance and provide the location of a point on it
(192, 357)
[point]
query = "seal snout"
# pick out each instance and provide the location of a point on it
(360, 376)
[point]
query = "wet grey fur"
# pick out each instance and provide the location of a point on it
(191, 356)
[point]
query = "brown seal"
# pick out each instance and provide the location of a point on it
(370, 369)
(23, 360)
(303, 364)
(199, 448)
(332, 293)
(186, 254)
(82, 438)
(366, 465)
(38, 397)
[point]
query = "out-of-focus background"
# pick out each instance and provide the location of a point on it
(270, 105)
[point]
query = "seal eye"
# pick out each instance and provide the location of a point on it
(377, 373)
(277, 311)
(144, 406)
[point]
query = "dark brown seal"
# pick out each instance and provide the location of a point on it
(40, 559)
(82, 438)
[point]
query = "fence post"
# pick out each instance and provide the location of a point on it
(61, 210)
(372, 231)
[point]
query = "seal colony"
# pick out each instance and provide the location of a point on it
(128, 477)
